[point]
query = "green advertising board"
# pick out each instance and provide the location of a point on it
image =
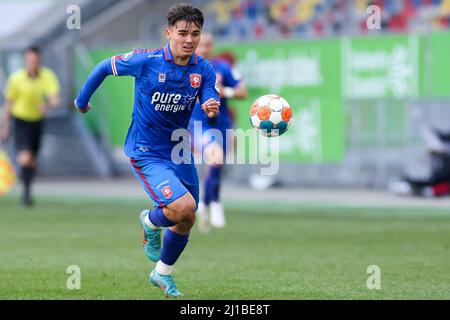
(436, 79)
(307, 75)
(381, 67)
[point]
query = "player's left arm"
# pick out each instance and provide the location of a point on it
(233, 85)
(129, 64)
(209, 92)
(94, 80)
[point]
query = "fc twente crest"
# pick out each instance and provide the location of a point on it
(167, 192)
(196, 80)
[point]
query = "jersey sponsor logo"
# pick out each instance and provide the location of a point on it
(143, 149)
(167, 192)
(162, 183)
(196, 80)
(165, 97)
(188, 98)
(171, 102)
(162, 77)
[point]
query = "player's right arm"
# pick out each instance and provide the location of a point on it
(129, 64)
(209, 94)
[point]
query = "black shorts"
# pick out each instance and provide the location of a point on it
(27, 135)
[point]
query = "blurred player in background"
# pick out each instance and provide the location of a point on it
(168, 82)
(211, 210)
(29, 94)
(437, 183)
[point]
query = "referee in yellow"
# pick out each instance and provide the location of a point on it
(29, 94)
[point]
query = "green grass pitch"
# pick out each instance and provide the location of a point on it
(268, 251)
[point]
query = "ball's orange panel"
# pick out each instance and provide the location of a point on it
(286, 114)
(264, 112)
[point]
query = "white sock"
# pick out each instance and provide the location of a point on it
(149, 223)
(163, 268)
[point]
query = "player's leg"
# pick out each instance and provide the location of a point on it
(182, 211)
(150, 174)
(25, 160)
(27, 143)
(214, 157)
(175, 210)
(212, 196)
(203, 218)
(197, 146)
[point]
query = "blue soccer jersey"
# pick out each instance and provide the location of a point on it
(164, 96)
(227, 78)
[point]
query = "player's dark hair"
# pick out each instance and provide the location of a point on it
(34, 49)
(185, 12)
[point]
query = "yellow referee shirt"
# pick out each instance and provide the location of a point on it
(28, 94)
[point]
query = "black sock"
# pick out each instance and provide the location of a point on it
(27, 177)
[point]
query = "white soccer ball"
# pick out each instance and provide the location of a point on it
(271, 115)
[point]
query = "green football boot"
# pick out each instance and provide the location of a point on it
(165, 283)
(151, 239)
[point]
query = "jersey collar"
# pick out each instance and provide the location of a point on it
(169, 57)
(38, 73)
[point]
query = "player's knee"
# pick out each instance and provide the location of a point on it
(186, 210)
(25, 158)
(190, 218)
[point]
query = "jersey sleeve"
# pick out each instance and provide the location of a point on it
(209, 88)
(129, 64)
(231, 77)
(11, 91)
(51, 84)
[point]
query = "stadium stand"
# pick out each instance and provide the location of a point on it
(317, 18)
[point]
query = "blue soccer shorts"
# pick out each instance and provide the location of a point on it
(165, 181)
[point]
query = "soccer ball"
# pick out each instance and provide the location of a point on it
(271, 115)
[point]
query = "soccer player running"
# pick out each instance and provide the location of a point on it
(167, 83)
(210, 210)
(29, 94)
